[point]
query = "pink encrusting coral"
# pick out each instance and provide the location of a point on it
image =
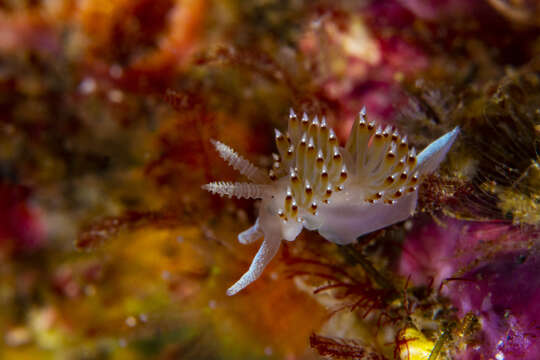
(429, 252)
(505, 295)
(435, 251)
(485, 269)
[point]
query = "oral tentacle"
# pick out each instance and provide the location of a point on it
(266, 253)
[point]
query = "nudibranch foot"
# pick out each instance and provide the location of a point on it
(251, 235)
(342, 192)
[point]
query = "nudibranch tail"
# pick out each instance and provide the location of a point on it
(341, 192)
(430, 158)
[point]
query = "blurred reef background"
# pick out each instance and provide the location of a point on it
(109, 249)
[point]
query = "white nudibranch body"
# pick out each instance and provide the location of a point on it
(314, 183)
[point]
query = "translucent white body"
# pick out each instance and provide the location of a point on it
(342, 193)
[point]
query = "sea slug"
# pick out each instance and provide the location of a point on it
(315, 184)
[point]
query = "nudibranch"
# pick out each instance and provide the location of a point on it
(315, 184)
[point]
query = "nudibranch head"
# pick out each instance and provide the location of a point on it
(314, 183)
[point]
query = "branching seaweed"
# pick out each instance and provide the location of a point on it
(338, 348)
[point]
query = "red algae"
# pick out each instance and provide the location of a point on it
(435, 10)
(21, 228)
